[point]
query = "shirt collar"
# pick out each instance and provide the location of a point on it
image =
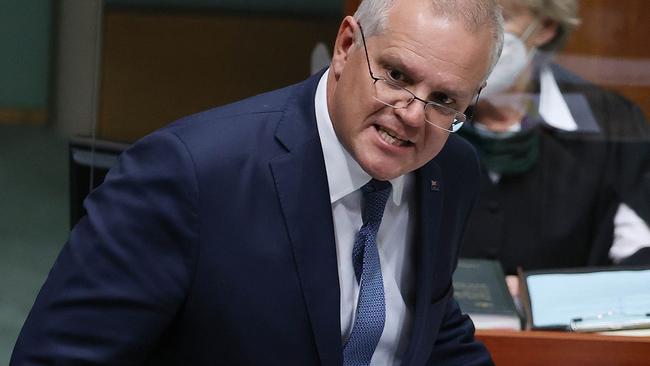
(552, 105)
(344, 174)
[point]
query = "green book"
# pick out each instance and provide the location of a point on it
(481, 291)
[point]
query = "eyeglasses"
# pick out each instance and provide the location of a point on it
(394, 95)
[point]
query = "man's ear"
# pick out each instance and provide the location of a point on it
(343, 45)
(546, 33)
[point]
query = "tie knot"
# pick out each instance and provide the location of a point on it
(375, 186)
(375, 195)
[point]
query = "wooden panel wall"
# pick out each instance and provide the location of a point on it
(157, 67)
(350, 6)
(611, 48)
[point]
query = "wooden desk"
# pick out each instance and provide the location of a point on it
(562, 348)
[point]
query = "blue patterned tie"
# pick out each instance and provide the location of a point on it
(371, 308)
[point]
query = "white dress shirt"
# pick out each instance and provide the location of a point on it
(394, 240)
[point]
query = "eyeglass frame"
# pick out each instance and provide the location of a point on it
(455, 124)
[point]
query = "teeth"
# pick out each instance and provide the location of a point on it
(390, 138)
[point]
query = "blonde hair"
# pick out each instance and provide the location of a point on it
(564, 12)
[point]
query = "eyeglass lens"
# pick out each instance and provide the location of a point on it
(398, 97)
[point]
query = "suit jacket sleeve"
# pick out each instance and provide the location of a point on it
(455, 344)
(126, 268)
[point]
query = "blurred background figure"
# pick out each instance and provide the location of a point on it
(566, 164)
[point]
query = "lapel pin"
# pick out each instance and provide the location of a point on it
(435, 186)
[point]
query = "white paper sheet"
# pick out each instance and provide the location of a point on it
(556, 299)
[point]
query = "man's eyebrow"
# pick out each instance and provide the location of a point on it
(458, 96)
(453, 94)
(394, 60)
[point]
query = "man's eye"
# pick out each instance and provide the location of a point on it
(442, 98)
(395, 75)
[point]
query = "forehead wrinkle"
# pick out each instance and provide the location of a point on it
(406, 28)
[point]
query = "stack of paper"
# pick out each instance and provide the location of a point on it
(588, 300)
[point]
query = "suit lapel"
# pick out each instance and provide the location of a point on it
(430, 190)
(301, 183)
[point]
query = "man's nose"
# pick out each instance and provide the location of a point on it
(412, 114)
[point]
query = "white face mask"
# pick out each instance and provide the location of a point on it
(514, 59)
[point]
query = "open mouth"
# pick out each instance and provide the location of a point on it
(390, 138)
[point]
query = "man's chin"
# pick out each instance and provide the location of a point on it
(382, 166)
(384, 174)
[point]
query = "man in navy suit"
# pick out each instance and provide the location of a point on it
(227, 237)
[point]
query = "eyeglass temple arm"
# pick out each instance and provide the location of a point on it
(471, 112)
(365, 49)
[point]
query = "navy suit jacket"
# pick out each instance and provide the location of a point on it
(212, 242)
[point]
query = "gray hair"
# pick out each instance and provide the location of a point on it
(564, 12)
(477, 15)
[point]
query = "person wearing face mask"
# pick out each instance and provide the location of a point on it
(566, 178)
